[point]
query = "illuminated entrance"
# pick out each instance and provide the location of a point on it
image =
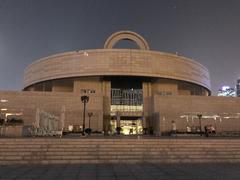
(126, 105)
(129, 125)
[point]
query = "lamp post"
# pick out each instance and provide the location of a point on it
(200, 122)
(89, 116)
(84, 100)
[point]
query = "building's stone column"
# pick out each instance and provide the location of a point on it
(147, 93)
(106, 91)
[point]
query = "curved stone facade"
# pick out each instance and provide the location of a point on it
(121, 62)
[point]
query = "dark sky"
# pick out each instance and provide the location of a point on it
(205, 30)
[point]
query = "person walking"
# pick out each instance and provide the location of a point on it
(174, 129)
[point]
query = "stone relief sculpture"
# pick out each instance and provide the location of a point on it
(48, 124)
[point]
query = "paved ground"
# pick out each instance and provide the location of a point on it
(146, 171)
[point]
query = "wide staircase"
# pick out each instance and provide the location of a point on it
(117, 150)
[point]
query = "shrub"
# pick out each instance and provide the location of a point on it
(88, 131)
(2, 122)
(14, 121)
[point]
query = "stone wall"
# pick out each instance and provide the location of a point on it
(24, 105)
(221, 112)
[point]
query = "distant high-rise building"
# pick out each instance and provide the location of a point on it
(238, 87)
(227, 91)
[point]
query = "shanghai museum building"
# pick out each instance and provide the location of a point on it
(135, 89)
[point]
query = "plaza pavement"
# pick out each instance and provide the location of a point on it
(143, 171)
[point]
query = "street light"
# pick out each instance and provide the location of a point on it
(84, 100)
(89, 115)
(200, 122)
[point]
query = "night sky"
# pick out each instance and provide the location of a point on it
(205, 30)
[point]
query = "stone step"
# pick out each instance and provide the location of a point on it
(115, 140)
(50, 148)
(126, 156)
(166, 160)
(123, 151)
(62, 152)
(169, 146)
(122, 144)
(118, 145)
(50, 151)
(101, 153)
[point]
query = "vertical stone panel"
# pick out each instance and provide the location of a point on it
(147, 108)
